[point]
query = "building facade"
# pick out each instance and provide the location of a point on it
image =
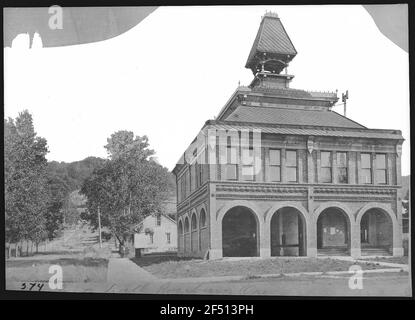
(156, 233)
(278, 173)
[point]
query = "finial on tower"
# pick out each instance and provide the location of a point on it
(270, 14)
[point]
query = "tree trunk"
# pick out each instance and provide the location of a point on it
(16, 249)
(37, 247)
(129, 205)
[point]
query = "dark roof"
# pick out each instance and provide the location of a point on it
(296, 130)
(272, 115)
(271, 38)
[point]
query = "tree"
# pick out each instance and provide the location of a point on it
(58, 193)
(26, 193)
(127, 188)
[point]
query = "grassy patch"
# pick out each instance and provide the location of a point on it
(74, 270)
(174, 267)
(87, 266)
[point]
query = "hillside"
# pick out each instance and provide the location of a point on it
(74, 173)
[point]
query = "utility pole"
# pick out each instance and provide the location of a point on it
(99, 228)
(345, 96)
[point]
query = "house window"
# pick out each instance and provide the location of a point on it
(291, 165)
(248, 164)
(342, 167)
(366, 162)
(325, 167)
(168, 237)
(159, 219)
(274, 165)
(381, 168)
(151, 238)
(231, 161)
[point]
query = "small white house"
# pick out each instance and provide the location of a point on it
(157, 233)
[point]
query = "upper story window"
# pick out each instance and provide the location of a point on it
(231, 163)
(193, 171)
(381, 168)
(200, 161)
(188, 179)
(192, 177)
(179, 189)
(326, 166)
(274, 165)
(291, 165)
(366, 164)
(158, 222)
(183, 187)
(168, 237)
(248, 161)
(342, 167)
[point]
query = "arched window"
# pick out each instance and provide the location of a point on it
(180, 227)
(186, 225)
(194, 222)
(202, 222)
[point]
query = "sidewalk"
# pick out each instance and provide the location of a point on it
(125, 272)
(405, 267)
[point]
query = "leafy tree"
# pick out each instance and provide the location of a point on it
(26, 193)
(128, 187)
(58, 192)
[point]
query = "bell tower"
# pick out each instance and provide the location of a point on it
(271, 53)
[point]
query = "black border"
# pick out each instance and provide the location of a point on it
(154, 301)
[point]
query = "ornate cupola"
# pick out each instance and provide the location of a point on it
(271, 53)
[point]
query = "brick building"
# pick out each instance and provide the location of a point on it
(278, 173)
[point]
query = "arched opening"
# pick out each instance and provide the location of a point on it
(193, 236)
(288, 233)
(186, 225)
(202, 222)
(203, 232)
(186, 235)
(240, 233)
(376, 233)
(180, 236)
(333, 232)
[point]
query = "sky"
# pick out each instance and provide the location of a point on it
(177, 68)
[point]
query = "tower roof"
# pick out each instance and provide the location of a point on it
(272, 45)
